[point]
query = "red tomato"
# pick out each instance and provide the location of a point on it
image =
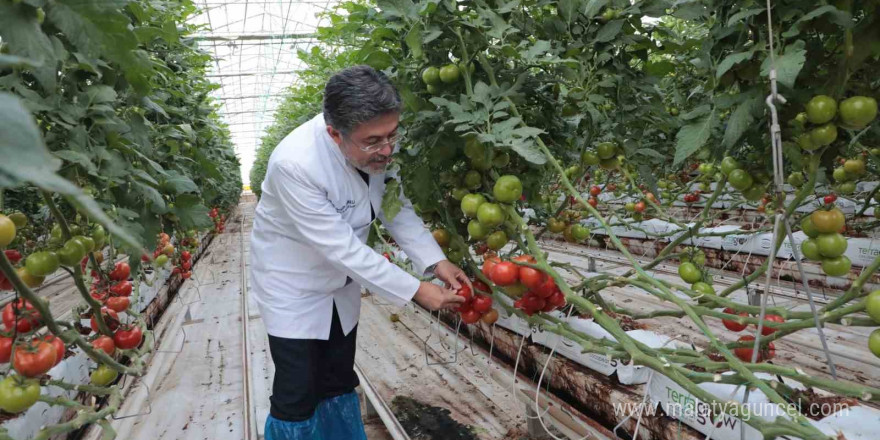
(33, 359)
(594, 202)
(595, 190)
(557, 299)
(28, 316)
(175, 271)
(546, 288)
(185, 256)
(5, 349)
(145, 258)
(186, 275)
(480, 286)
(465, 307)
(640, 207)
(104, 343)
(733, 325)
(13, 255)
(745, 353)
(531, 278)
(488, 264)
(110, 318)
(100, 296)
(465, 292)
(58, 344)
(186, 265)
(482, 303)
(525, 258)
(118, 304)
(128, 337)
(387, 257)
(470, 317)
(122, 288)
(120, 272)
(505, 273)
(533, 303)
(768, 330)
(830, 198)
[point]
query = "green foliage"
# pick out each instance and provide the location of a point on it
(121, 102)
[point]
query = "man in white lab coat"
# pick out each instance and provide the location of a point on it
(309, 258)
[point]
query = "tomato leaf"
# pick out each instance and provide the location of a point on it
(21, 32)
(739, 122)
(413, 40)
(609, 31)
(568, 9)
(391, 204)
(732, 60)
(593, 7)
(693, 136)
(179, 183)
(28, 160)
(788, 65)
(191, 212)
(741, 15)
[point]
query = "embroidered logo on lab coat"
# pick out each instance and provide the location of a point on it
(348, 205)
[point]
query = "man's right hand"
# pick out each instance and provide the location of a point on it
(434, 297)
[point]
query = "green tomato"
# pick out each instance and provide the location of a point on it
(609, 164)
(874, 342)
(431, 76)
(103, 375)
(40, 264)
(490, 215)
(482, 163)
(449, 73)
(473, 179)
(606, 150)
(689, 272)
(824, 135)
(580, 232)
(161, 260)
(458, 193)
(740, 179)
(810, 249)
(7, 231)
(455, 255)
(821, 109)
(555, 225)
(99, 235)
(703, 288)
(589, 158)
(476, 230)
(796, 179)
(508, 189)
(836, 267)
(497, 240)
(728, 165)
(857, 112)
(847, 188)
(16, 397)
(72, 253)
(809, 228)
(872, 305)
(87, 242)
(806, 143)
(840, 175)
(19, 219)
(831, 245)
(699, 258)
(501, 160)
(470, 203)
(56, 232)
(855, 167)
(828, 222)
(755, 193)
(630, 207)
(433, 89)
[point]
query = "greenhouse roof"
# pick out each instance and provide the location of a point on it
(255, 44)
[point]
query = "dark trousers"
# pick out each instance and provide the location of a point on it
(308, 371)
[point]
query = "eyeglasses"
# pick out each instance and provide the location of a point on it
(393, 141)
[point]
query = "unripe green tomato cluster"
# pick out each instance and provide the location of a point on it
(825, 242)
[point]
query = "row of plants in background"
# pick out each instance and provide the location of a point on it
(525, 119)
(112, 146)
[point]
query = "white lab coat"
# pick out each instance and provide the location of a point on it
(310, 233)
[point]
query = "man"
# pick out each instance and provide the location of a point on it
(309, 258)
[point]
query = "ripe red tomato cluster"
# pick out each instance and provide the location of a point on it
(476, 307)
(745, 353)
(219, 220)
(693, 197)
(14, 257)
(542, 296)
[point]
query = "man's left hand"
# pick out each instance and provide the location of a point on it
(451, 274)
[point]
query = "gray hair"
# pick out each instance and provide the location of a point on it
(356, 95)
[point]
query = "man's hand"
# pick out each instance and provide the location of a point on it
(434, 297)
(452, 275)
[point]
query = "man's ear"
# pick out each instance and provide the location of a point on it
(335, 134)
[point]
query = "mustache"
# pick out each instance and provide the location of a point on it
(379, 159)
